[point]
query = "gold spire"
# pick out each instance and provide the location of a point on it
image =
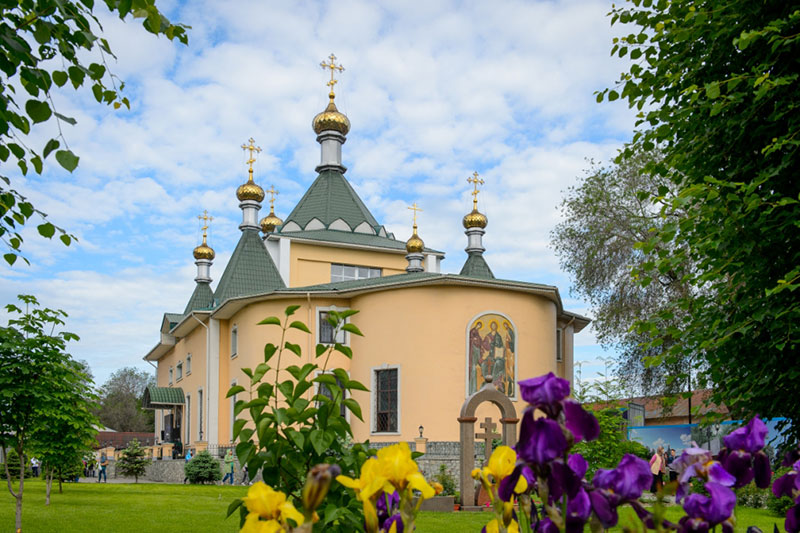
(271, 221)
(475, 219)
(331, 118)
(414, 245)
(250, 190)
(204, 251)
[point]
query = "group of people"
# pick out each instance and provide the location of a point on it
(88, 467)
(661, 468)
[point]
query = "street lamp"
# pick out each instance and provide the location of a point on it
(420, 430)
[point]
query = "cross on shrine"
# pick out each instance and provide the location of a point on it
(414, 208)
(253, 150)
(334, 67)
(487, 437)
(272, 193)
(206, 218)
(475, 180)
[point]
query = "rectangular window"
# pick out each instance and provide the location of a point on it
(188, 364)
(234, 341)
(559, 345)
(170, 375)
(200, 414)
(233, 404)
(188, 419)
(326, 391)
(352, 272)
(326, 332)
(180, 370)
(386, 401)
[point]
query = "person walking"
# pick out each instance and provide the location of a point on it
(671, 456)
(101, 473)
(35, 466)
(187, 459)
(656, 468)
(228, 467)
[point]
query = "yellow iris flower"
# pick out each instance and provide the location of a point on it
(402, 471)
(370, 482)
(494, 527)
(268, 510)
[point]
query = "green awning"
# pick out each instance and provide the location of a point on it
(162, 397)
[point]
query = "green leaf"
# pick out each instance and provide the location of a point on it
(299, 325)
(612, 95)
(328, 379)
(235, 504)
(352, 329)
(68, 120)
(271, 320)
(10, 258)
(293, 348)
(67, 159)
(238, 425)
(321, 349)
(259, 372)
(356, 385)
(46, 230)
(60, 77)
(341, 348)
(712, 90)
(291, 309)
(51, 145)
(269, 351)
(236, 389)
(354, 407)
(76, 76)
(38, 111)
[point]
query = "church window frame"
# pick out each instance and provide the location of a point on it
(188, 423)
(375, 398)
(559, 345)
(179, 371)
(188, 364)
(234, 341)
(170, 375)
(345, 272)
(324, 329)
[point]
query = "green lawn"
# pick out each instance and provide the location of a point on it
(155, 508)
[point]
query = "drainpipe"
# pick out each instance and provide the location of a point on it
(208, 371)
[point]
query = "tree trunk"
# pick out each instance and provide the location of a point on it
(49, 480)
(60, 490)
(21, 454)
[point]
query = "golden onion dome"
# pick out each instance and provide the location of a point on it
(250, 191)
(414, 245)
(203, 252)
(270, 222)
(331, 119)
(475, 219)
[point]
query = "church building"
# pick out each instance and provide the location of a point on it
(429, 337)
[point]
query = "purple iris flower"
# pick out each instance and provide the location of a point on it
(546, 525)
(580, 422)
(394, 519)
(697, 462)
(540, 441)
(578, 464)
(545, 393)
(386, 505)
(579, 508)
(506, 489)
(705, 512)
(744, 456)
(789, 485)
(623, 484)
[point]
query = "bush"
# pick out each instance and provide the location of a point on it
(203, 469)
(447, 481)
(13, 465)
(778, 506)
(752, 496)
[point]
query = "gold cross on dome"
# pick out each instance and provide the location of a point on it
(414, 208)
(333, 67)
(206, 218)
(253, 150)
(475, 180)
(272, 193)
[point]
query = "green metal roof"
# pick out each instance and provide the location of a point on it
(368, 282)
(173, 319)
(476, 267)
(329, 198)
(249, 271)
(159, 397)
(202, 298)
(348, 237)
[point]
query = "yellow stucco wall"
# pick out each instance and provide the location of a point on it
(310, 264)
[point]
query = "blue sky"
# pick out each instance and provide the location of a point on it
(433, 90)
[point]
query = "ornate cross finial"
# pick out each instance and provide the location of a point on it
(333, 67)
(206, 218)
(414, 208)
(272, 194)
(253, 150)
(475, 180)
